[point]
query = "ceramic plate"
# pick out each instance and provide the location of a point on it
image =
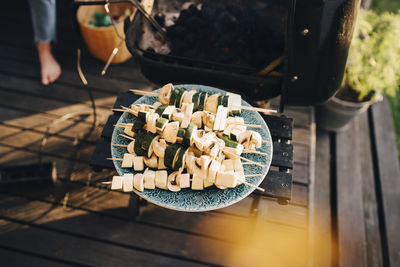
(210, 198)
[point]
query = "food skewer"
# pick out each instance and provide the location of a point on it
(249, 151)
(176, 96)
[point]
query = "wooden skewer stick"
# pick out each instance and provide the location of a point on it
(118, 110)
(248, 151)
(107, 182)
(113, 159)
(247, 125)
(130, 111)
(128, 137)
(243, 158)
(266, 141)
(253, 175)
(146, 93)
(119, 145)
(263, 110)
(254, 186)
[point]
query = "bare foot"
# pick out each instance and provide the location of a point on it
(50, 69)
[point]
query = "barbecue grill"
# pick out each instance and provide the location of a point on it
(316, 38)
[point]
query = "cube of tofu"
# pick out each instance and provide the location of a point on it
(228, 164)
(138, 182)
(161, 179)
(218, 118)
(212, 170)
(207, 183)
(138, 164)
(237, 165)
(116, 183)
(127, 182)
(128, 130)
(240, 177)
(149, 179)
(183, 180)
(226, 179)
(223, 119)
(197, 182)
(127, 161)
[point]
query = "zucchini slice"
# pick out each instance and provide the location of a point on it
(190, 130)
(174, 96)
(142, 115)
(229, 142)
(179, 98)
(196, 101)
(180, 159)
(147, 143)
(202, 101)
(138, 124)
(141, 135)
(160, 109)
(168, 112)
(171, 154)
(160, 125)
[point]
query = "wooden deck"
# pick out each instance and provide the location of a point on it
(343, 211)
(77, 221)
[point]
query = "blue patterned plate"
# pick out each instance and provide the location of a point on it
(210, 198)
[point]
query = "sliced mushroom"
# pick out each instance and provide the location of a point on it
(244, 138)
(208, 119)
(187, 98)
(138, 182)
(151, 162)
(172, 183)
(212, 103)
(159, 147)
(171, 131)
(130, 148)
(197, 118)
(165, 93)
(151, 122)
(156, 104)
(178, 115)
(256, 140)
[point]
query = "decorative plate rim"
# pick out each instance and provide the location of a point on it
(225, 204)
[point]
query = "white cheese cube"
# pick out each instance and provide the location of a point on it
(240, 177)
(127, 182)
(207, 183)
(183, 180)
(116, 183)
(197, 182)
(127, 161)
(161, 179)
(131, 149)
(138, 164)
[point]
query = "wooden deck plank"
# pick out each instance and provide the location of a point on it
(387, 167)
(30, 69)
(371, 218)
(116, 232)
(350, 213)
(320, 205)
(77, 249)
(12, 257)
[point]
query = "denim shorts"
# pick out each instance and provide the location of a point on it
(43, 14)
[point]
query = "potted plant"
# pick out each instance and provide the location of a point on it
(373, 69)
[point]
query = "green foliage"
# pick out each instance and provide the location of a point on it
(385, 5)
(374, 58)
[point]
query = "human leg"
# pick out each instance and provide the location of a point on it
(43, 14)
